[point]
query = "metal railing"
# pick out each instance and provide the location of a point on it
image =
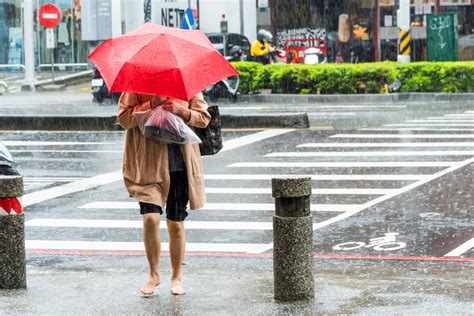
(13, 66)
(63, 66)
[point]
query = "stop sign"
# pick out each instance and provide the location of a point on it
(49, 15)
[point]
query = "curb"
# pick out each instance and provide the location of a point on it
(109, 123)
(357, 98)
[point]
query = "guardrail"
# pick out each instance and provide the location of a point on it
(13, 66)
(62, 66)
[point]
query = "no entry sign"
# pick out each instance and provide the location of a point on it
(49, 15)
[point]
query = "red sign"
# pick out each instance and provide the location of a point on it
(49, 15)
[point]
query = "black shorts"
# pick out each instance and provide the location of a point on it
(178, 198)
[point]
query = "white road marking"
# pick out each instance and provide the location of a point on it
(65, 151)
(318, 114)
(468, 245)
(441, 120)
(90, 223)
(342, 164)
(372, 153)
(339, 191)
(225, 206)
(381, 199)
(89, 183)
(50, 179)
(252, 138)
(402, 136)
(72, 187)
(136, 246)
(429, 125)
(425, 129)
(330, 177)
(368, 145)
(48, 143)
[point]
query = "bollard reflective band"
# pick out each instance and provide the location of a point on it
(10, 206)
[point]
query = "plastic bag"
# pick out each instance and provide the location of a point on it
(165, 127)
(7, 164)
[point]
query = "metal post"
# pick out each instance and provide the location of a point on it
(293, 259)
(29, 45)
(241, 6)
(12, 234)
(403, 16)
(52, 63)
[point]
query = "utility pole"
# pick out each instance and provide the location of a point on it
(241, 4)
(403, 16)
(29, 44)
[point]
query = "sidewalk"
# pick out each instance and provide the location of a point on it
(238, 286)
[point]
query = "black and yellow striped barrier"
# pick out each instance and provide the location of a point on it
(405, 37)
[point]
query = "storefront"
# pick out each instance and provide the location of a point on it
(343, 27)
(464, 10)
(70, 49)
(366, 30)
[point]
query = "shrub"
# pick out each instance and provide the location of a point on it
(356, 78)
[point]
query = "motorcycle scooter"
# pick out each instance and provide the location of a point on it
(100, 92)
(226, 88)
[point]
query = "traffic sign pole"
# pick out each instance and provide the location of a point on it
(49, 17)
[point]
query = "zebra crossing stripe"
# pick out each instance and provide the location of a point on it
(252, 138)
(443, 120)
(344, 164)
(402, 136)
(328, 177)
(47, 143)
(465, 247)
(189, 224)
(372, 153)
(224, 206)
(429, 125)
(425, 129)
(368, 145)
(339, 191)
(138, 246)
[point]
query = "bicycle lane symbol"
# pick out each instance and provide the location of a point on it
(386, 243)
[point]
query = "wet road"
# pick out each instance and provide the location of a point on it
(389, 192)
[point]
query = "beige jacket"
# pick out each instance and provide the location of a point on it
(145, 162)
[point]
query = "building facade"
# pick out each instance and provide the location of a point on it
(348, 30)
(365, 30)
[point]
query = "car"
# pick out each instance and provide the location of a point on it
(224, 42)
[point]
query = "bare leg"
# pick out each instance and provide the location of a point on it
(151, 238)
(177, 247)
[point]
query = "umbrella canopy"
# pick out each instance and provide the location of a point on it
(160, 60)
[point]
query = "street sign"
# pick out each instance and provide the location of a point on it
(188, 19)
(49, 15)
(50, 38)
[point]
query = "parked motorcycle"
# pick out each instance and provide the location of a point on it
(100, 92)
(226, 88)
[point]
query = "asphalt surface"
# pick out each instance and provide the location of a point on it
(392, 214)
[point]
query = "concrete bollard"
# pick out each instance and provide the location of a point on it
(293, 259)
(12, 234)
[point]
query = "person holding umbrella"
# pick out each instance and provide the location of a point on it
(163, 67)
(158, 174)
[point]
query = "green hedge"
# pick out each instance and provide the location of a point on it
(356, 78)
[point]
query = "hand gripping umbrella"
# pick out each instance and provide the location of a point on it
(160, 60)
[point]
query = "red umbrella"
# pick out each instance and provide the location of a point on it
(160, 60)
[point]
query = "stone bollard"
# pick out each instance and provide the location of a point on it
(293, 258)
(12, 234)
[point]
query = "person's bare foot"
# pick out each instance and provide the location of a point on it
(149, 288)
(176, 288)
